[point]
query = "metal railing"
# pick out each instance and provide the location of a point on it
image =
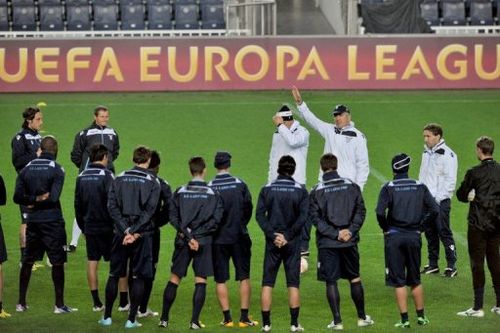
(466, 30)
(255, 17)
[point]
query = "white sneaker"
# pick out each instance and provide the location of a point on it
(124, 308)
(496, 310)
(336, 327)
(368, 321)
(471, 313)
(304, 265)
(21, 308)
(98, 308)
(148, 313)
(266, 328)
(297, 328)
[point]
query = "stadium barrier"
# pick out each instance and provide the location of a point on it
(149, 64)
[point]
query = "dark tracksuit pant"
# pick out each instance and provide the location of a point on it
(439, 229)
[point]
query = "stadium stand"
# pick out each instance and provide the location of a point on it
(108, 15)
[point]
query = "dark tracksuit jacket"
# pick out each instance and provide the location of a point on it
(91, 200)
(282, 208)
(90, 136)
(40, 176)
(238, 207)
(408, 203)
(24, 147)
(196, 212)
(132, 201)
(335, 204)
(484, 210)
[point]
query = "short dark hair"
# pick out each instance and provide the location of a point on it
(155, 160)
(98, 152)
(434, 128)
(197, 165)
(49, 145)
(486, 145)
(29, 114)
(286, 166)
(141, 154)
(100, 108)
(328, 162)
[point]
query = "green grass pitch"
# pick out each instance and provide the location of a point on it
(181, 125)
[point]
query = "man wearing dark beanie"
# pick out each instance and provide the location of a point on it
(231, 240)
(404, 205)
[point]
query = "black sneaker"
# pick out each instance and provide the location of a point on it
(450, 272)
(430, 270)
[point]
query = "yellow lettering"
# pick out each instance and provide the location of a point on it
(417, 63)
(313, 59)
(478, 62)
(210, 52)
(382, 61)
(281, 52)
(41, 65)
(193, 64)
(146, 64)
(461, 65)
(72, 64)
(21, 72)
(264, 63)
(352, 59)
(109, 61)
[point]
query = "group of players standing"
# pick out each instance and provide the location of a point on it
(121, 218)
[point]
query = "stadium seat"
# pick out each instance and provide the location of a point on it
(105, 17)
(481, 13)
(453, 13)
(212, 16)
(51, 17)
(130, 2)
(103, 2)
(158, 2)
(77, 3)
(430, 12)
(159, 16)
(186, 17)
(211, 2)
(78, 17)
(185, 2)
(23, 3)
(132, 17)
(49, 2)
(4, 18)
(23, 18)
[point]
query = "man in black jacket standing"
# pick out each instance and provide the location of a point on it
(196, 212)
(91, 211)
(97, 133)
(337, 210)
(231, 240)
(38, 187)
(3, 249)
(481, 188)
(160, 218)
(132, 201)
(404, 206)
(25, 148)
(281, 213)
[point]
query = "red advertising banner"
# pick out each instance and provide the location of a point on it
(410, 62)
